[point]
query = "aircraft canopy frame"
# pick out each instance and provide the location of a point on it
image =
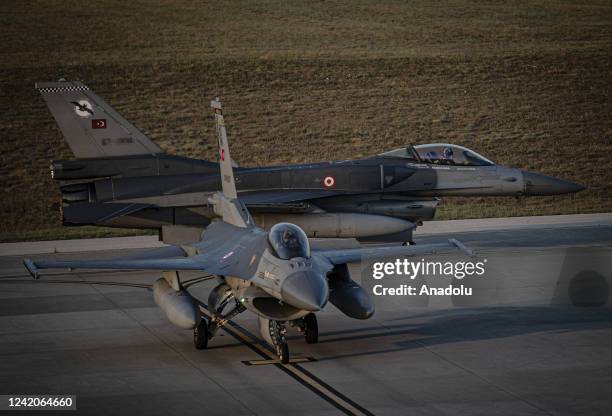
(440, 154)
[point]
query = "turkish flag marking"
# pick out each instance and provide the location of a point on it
(98, 123)
(223, 155)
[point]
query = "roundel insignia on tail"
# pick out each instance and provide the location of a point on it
(329, 181)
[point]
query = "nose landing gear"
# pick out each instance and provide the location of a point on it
(277, 333)
(274, 333)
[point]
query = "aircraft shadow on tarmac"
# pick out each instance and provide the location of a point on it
(529, 237)
(461, 325)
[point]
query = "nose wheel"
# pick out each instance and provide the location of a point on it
(282, 350)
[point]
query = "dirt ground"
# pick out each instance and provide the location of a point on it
(527, 84)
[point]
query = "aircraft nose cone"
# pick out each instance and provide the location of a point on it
(538, 184)
(306, 290)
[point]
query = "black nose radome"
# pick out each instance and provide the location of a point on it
(538, 184)
(305, 290)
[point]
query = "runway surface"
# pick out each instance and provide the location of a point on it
(517, 346)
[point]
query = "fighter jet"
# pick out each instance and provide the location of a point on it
(126, 180)
(273, 274)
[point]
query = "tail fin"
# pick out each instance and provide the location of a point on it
(226, 203)
(228, 183)
(90, 126)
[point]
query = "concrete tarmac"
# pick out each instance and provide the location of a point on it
(517, 346)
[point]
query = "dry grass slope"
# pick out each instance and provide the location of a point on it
(527, 84)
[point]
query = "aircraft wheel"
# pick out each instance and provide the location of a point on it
(311, 330)
(282, 350)
(200, 335)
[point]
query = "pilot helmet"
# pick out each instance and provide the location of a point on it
(448, 153)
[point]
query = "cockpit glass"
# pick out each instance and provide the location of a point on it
(288, 241)
(450, 154)
(404, 153)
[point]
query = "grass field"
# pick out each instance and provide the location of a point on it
(526, 83)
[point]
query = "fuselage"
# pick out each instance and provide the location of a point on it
(278, 287)
(383, 195)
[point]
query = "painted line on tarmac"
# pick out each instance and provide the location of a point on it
(295, 371)
(275, 361)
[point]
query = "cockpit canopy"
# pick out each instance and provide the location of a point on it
(440, 154)
(288, 241)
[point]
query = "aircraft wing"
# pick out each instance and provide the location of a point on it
(215, 264)
(382, 252)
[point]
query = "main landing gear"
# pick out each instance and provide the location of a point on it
(208, 327)
(200, 335)
(309, 327)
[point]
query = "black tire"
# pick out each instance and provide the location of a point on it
(200, 335)
(311, 330)
(283, 352)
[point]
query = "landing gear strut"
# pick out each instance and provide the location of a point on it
(208, 327)
(277, 333)
(218, 320)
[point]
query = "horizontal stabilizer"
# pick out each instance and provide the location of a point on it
(32, 269)
(97, 212)
(461, 246)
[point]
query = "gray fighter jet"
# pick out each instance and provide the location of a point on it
(274, 274)
(126, 180)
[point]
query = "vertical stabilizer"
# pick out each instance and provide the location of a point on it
(226, 203)
(91, 127)
(228, 183)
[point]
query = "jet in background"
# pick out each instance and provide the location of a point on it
(273, 274)
(120, 178)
